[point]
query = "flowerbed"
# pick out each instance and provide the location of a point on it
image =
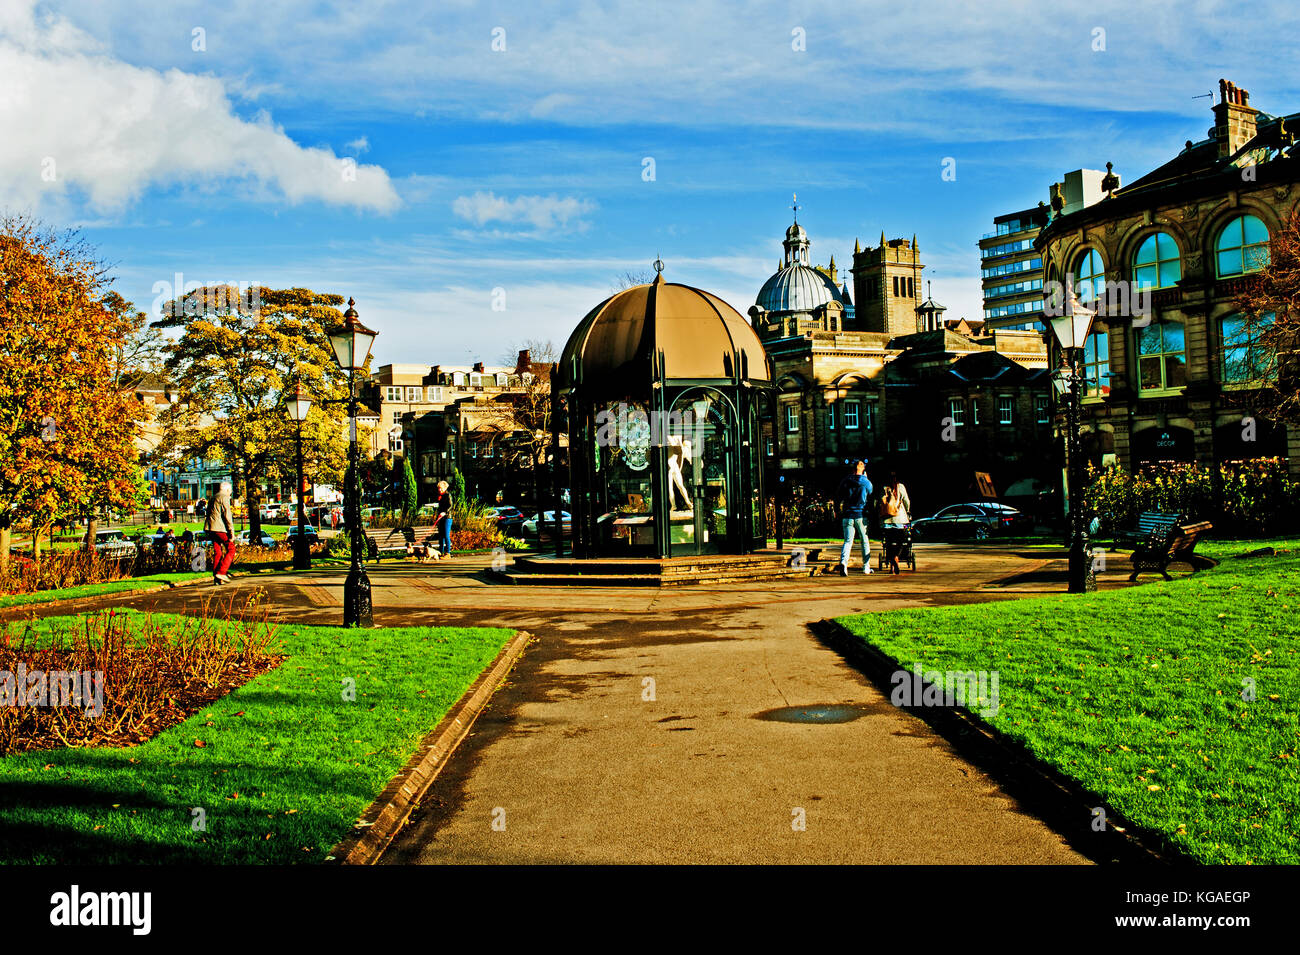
(1243, 499)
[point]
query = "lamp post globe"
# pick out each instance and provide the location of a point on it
(1071, 328)
(351, 343)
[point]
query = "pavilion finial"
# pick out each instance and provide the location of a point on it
(659, 265)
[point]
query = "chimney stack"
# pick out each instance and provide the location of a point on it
(478, 367)
(1234, 119)
(524, 363)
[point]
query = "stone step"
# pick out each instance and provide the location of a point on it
(720, 573)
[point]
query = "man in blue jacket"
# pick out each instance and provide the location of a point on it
(853, 495)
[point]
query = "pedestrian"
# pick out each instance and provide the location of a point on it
(895, 511)
(443, 521)
(220, 525)
(852, 496)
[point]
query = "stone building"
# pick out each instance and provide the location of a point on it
(875, 375)
(1175, 382)
(445, 416)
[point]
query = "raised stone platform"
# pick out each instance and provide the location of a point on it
(550, 571)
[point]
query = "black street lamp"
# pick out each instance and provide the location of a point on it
(351, 343)
(1071, 329)
(298, 406)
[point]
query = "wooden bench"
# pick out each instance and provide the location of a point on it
(1148, 523)
(393, 540)
(1172, 546)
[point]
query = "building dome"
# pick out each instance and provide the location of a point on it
(695, 334)
(797, 288)
(796, 232)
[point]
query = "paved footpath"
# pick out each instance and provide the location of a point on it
(643, 724)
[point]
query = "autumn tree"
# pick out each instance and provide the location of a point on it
(142, 351)
(66, 428)
(235, 364)
(1265, 347)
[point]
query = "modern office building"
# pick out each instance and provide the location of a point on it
(1012, 272)
(1010, 267)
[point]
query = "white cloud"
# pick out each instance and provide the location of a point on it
(542, 212)
(548, 105)
(359, 145)
(79, 123)
(919, 70)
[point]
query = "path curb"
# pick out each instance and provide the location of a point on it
(387, 815)
(1064, 804)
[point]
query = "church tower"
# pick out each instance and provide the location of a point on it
(887, 286)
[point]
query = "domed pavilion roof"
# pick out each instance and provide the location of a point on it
(797, 288)
(698, 335)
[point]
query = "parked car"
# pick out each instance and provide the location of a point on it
(269, 513)
(309, 532)
(975, 520)
(548, 524)
(265, 539)
(509, 519)
(114, 543)
(1010, 519)
(152, 540)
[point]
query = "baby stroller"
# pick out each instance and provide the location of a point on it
(897, 536)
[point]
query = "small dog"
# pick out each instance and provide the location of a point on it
(426, 551)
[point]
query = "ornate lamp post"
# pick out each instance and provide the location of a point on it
(299, 404)
(1071, 329)
(351, 343)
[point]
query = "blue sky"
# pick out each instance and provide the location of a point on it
(213, 140)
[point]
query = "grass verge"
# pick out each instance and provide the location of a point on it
(96, 590)
(285, 766)
(1138, 695)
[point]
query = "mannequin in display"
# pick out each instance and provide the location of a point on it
(679, 454)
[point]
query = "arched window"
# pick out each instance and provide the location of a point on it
(1242, 247)
(1157, 263)
(1090, 277)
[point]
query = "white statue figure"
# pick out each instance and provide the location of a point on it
(679, 453)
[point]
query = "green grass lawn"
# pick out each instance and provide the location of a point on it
(287, 767)
(96, 590)
(1137, 694)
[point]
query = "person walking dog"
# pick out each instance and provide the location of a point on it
(220, 525)
(853, 494)
(443, 520)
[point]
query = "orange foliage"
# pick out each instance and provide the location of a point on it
(65, 430)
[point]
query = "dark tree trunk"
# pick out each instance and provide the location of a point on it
(253, 504)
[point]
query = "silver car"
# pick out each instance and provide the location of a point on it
(114, 543)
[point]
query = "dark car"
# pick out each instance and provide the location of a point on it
(510, 520)
(975, 521)
(309, 532)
